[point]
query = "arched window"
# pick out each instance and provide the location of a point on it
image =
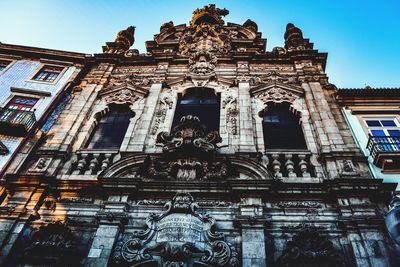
(282, 129)
(110, 130)
(201, 102)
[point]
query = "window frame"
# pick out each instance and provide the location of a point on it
(95, 126)
(263, 114)
(385, 129)
(43, 66)
(180, 95)
(10, 63)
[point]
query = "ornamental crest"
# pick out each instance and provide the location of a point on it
(122, 94)
(188, 154)
(178, 237)
(310, 248)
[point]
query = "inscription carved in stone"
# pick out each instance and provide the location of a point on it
(178, 237)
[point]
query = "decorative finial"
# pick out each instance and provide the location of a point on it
(208, 14)
(249, 24)
(122, 42)
(293, 38)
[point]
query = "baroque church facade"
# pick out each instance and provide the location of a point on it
(207, 150)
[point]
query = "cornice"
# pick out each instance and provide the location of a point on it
(40, 53)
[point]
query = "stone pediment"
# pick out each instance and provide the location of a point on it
(277, 92)
(122, 94)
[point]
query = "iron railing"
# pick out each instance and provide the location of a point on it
(383, 145)
(16, 122)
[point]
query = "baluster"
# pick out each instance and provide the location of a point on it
(94, 162)
(276, 165)
(106, 162)
(80, 168)
(303, 166)
(290, 166)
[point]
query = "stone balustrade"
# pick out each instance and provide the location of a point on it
(92, 162)
(290, 164)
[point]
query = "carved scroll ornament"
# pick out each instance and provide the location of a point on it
(188, 137)
(178, 237)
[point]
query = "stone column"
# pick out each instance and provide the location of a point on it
(246, 133)
(15, 215)
(142, 129)
(111, 218)
(252, 224)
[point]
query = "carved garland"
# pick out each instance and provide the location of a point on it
(231, 106)
(165, 103)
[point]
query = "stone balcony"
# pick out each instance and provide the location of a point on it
(92, 162)
(385, 152)
(291, 164)
(16, 122)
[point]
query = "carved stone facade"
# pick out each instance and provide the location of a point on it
(179, 194)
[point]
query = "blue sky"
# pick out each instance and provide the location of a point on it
(361, 37)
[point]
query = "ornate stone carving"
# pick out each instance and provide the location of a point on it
(298, 204)
(165, 103)
(294, 39)
(208, 14)
(202, 63)
(189, 137)
(232, 112)
(185, 169)
(277, 95)
(273, 77)
(80, 200)
(152, 202)
(179, 236)
(123, 41)
(309, 247)
(53, 243)
(123, 94)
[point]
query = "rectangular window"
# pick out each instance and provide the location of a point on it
(4, 64)
(386, 133)
(48, 74)
(22, 103)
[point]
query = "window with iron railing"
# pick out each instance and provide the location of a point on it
(384, 141)
(17, 116)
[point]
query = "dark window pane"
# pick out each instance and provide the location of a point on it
(282, 129)
(394, 132)
(3, 64)
(110, 131)
(388, 123)
(373, 123)
(200, 102)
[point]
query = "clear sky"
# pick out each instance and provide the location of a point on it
(361, 37)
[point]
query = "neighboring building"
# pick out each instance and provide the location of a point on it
(32, 82)
(207, 150)
(374, 119)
